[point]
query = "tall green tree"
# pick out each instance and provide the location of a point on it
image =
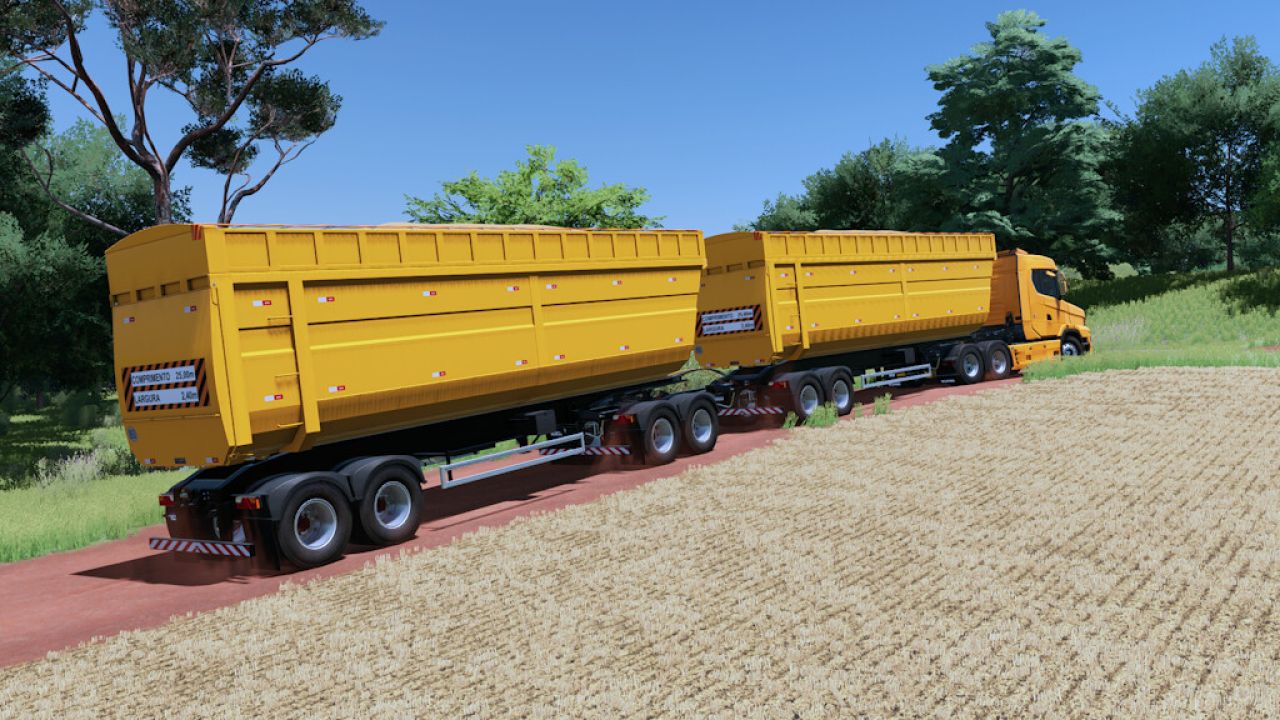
(53, 334)
(1023, 147)
(541, 191)
(1196, 150)
(859, 192)
(224, 59)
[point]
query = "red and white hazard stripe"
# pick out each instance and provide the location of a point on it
(203, 547)
(602, 450)
(753, 411)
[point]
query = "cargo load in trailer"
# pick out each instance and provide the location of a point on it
(310, 372)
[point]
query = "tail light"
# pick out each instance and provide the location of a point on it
(248, 502)
(779, 385)
(626, 419)
(166, 500)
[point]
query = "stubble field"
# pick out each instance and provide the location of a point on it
(1107, 544)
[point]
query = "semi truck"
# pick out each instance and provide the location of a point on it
(308, 374)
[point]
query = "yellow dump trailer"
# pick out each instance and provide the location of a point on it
(770, 297)
(234, 343)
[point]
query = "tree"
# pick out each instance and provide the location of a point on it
(24, 117)
(539, 191)
(860, 192)
(223, 58)
(1196, 151)
(1022, 153)
(52, 333)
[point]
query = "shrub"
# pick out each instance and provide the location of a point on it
(81, 409)
(4, 424)
(882, 406)
(824, 416)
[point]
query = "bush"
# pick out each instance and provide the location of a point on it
(4, 424)
(81, 409)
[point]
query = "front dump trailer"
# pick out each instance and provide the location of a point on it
(793, 317)
(309, 372)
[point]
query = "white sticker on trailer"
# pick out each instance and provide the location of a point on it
(163, 376)
(721, 328)
(172, 396)
(728, 316)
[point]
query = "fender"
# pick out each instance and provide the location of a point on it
(359, 471)
(684, 402)
(642, 410)
(277, 488)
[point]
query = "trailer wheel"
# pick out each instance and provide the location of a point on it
(314, 528)
(661, 439)
(806, 396)
(702, 428)
(968, 365)
(840, 391)
(998, 359)
(392, 506)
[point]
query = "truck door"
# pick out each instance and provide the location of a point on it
(1044, 312)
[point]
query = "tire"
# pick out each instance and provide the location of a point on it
(315, 525)
(806, 396)
(391, 510)
(968, 365)
(839, 390)
(701, 428)
(998, 359)
(661, 437)
(1071, 347)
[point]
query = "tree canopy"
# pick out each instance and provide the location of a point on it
(859, 193)
(540, 190)
(1196, 152)
(1023, 147)
(224, 60)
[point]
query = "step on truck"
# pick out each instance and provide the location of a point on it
(309, 373)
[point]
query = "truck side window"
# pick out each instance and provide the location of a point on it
(1046, 283)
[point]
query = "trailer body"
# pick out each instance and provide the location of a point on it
(236, 343)
(771, 297)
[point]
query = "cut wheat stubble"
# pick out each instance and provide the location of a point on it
(1103, 544)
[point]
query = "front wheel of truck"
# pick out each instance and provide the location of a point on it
(315, 525)
(1071, 347)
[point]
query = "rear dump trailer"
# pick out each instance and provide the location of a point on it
(310, 372)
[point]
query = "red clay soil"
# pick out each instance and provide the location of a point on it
(61, 600)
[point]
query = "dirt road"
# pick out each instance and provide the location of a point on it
(61, 600)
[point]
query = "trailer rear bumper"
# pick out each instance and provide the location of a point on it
(204, 547)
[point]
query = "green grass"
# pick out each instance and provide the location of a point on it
(1207, 319)
(33, 437)
(63, 516)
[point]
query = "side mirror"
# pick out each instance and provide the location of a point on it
(1062, 284)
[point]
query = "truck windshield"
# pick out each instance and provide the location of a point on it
(1046, 283)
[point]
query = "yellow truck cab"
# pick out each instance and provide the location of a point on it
(1027, 295)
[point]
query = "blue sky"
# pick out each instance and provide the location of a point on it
(712, 106)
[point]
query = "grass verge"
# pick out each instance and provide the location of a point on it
(1206, 320)
(63, 516)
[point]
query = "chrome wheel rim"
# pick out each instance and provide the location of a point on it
(840, 394)
(999, 363)
(971, 365)
(1069, 348)
(663, 435)
(391, 505)
(808, 399)
(701, 424)
(315, 524)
